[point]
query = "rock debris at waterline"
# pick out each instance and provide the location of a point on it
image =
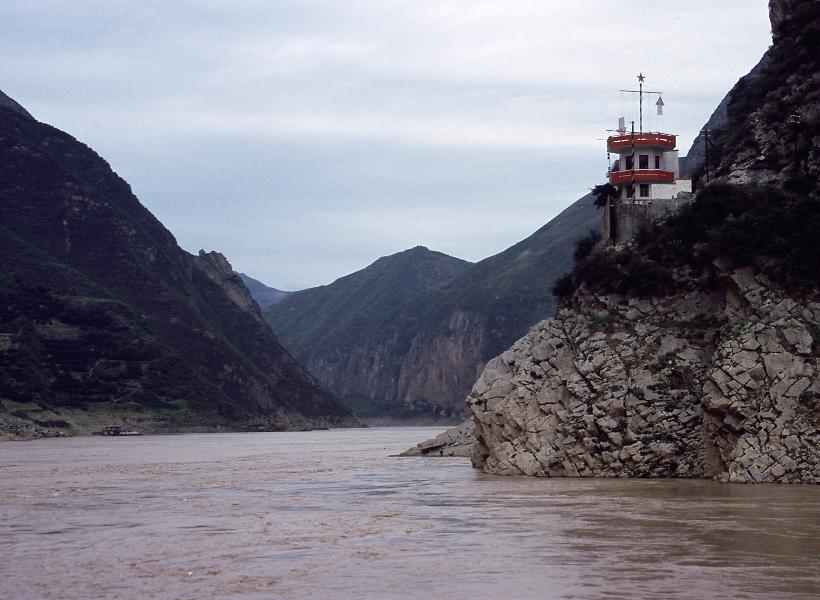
(456, 441)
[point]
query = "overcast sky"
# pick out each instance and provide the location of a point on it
(306, 139)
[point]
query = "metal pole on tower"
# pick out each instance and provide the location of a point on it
(640, 102)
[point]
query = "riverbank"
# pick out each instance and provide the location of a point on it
(74, 422)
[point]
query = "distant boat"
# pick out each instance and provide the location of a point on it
(116, 430)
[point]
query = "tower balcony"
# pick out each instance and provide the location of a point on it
(634, 176)
(621, 144)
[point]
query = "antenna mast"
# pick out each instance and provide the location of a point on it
(640, 102)
(640, 93)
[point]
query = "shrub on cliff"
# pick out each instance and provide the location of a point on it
(758, 226)
(586, 245)
(746, 225)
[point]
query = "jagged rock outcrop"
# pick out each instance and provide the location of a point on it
(694, 164)
(456, 441)
(771, 134)
(779, 11)
(219, 270)
(710, 384)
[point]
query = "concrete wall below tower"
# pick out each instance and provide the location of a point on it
(622, 222)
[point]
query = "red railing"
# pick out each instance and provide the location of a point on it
(619, 143)
(641, 176)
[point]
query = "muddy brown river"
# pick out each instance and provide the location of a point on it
(330, 514)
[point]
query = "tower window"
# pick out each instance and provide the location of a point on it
(643, 161)
(657, 162)
(630, 191)
(644, 190)
(630, 163)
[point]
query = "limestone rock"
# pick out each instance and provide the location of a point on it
(456, 441)
(219, 270)
(669, 393)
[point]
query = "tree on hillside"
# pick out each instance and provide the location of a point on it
(604, 192)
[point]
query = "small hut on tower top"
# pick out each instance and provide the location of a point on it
(645, 175)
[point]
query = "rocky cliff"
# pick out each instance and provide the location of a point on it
(694, 164)
(719, 382)
(103, 317)
(694, 351)
(779, 11)
(771, 134)
(219, 271)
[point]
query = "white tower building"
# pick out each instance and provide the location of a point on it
(645, 175)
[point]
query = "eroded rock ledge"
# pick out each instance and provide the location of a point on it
(709, 384)
(456, 441)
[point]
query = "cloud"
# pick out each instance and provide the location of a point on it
(356, 106)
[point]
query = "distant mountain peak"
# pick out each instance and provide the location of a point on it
(405, 336)
(264, 295)
(11, 104)
(417, 252)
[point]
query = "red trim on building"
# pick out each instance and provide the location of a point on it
(621, 143)
(641, 176)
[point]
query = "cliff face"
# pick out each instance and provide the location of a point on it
(695, 160)
(219, 270)
(779, 11)
(406, 377)
(771, 134)
(694, 351)
(711, 383)
(103, 316)
(420, 357)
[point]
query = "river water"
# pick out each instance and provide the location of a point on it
(330, 514)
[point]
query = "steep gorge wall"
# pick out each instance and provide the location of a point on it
(771, 133)
(391, 376)
(707, 384)
(779, 10)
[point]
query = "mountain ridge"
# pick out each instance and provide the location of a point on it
(338, 316)
(421, 358)
(104, 316)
